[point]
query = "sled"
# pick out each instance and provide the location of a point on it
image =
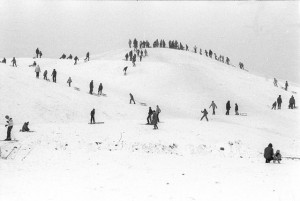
(100, 122)
(9, 140)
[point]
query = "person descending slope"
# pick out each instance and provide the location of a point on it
(204, 114)
(93, 116)
(214, 106)
(274, 106)
(45, 75)
(9, 126)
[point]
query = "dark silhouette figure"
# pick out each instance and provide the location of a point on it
(25, 127)
(93, 116)
(131, 98)
(76, 59)
(3, 60)
(87, 58)
(269, 153)
(214, 106)
(63, 56)
(274, 106)
(14, 62)
(228, 107)
(45, 75)
(9, 126)
(33, 65)
(279, 101)
(154, 121)
(37, 52)
(40, 53)
(286, 85)
(91, 87)
(69, 81)
(236, 109)
(54, 73)
(292, 102)
(70, 56)
(126, 56)
(150, 112)
(125, 69)
(204, 114)
(100, 88)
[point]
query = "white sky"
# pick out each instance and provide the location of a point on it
(263, 35)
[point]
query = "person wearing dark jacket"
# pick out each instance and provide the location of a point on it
(236, 109)
(9, 126)
(69, 81)
(70, 56)
(87, 57)
(91, 87)
(131, 98)
(76, 59)
(274, 106)
(126, 56)
(204, 114)
(3, 60)
(227, 107)
(45, 75)
(37, 52)
(286, 85)
(54, 73)
(150, 112)
(269, 153)
(279, 101)
(154, 120)
(125, 69)
(93, 116)
(63, 56)
(25, 127)
(14, 62)
(100, 88)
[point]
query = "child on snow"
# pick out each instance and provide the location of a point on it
(277, 157)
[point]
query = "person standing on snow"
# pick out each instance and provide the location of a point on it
(204, 114)
(154, 120)
(14, 62)
(158, 111)
(87, 57)
(279, 101)
(126, 56)
(37, 52)
(9, 126)
(228, 107)
(214, 106)
(100, 88)
(76, 59)
(37, 71)
(150, 112)
(274, 106)
(91, 87)
(54, 73)
(236, 109)
(45, 75)
(286, 85)
(40, 53)
(131, 98)
(129, 43)
(93, 116)
(69, 81)
(125, 69)
(275, 82)
(269, 153)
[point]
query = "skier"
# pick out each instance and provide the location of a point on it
(45, 75)
(286, 85)
(236, 109)
(131, 98)
(63, 56)
(87, 57)
(69, 81)
(125, 69)
(158, 111)
(9, 126)
(126, 56)
(54, 73)
(214, 106)
(275, 82)
(227, 107)
(37, 51)
(279, 101)
(3, 60)
(274, 106)
(268, 153)
(37, 71)
(25, 127)
(70, 56)
(91, 87)
(93, 116)
(277, 157)
(76, 59)
(154, 121)
(150, 112)
(14, 62)
(204, 114)
(100, 88)
(33, 65)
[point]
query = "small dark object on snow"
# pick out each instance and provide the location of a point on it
(222, 148)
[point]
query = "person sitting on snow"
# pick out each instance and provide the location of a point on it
(277, 157)
(25, 127)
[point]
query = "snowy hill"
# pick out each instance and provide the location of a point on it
(180, 161)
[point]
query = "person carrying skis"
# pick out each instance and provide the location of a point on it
(69, 81)
(279, 101)
(286, 85)
(150, 112)
(45, 75)
(227, 107)
(125, 69)
(214, 106)
(204, 114)
(236, 109)
(100, 88)
(268, 153)
(131, 98)
(9, 126)
(76, 59)
(91, 87)
(54, 73)
(93, 116)
(87, 58)
(274, 106)
(14, 62)
(37, 71)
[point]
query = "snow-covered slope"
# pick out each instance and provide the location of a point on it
(123, 159)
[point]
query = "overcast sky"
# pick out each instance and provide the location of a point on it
(262, 35)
